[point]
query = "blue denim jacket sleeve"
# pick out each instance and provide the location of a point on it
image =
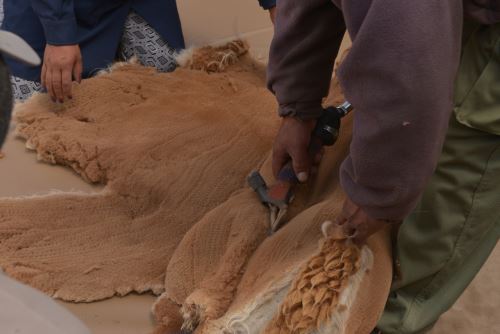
(267, 4)
(58, 20)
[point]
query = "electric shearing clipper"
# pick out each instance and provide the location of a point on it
(280, 194)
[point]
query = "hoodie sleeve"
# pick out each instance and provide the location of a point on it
(58, 20)
(306, 41)
(399, 76)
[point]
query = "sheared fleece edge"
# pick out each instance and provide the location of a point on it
(338, 322)
(255, 317)
(56, 193)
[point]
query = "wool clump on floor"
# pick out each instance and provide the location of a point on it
(176, 218)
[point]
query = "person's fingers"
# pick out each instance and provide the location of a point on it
(77, 70)
(280, 158)
(319, 156)
(42, 75)
(359, 238)
(356, 232)
(346, 213)
(301, 163)
(48, 83)
(57, 85)
(367, 229)
(350, 229)
(66, 79)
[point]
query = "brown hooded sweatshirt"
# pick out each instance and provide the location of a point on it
(399, 76)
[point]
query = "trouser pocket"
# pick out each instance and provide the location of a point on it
(477, 88)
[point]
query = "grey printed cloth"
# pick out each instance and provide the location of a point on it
(23, 89)
(139, 40)
(1, 12)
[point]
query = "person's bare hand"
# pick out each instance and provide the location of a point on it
(357, 223)
(292, 142)
(272, 14)
(61, 65)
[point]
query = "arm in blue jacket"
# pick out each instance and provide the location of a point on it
(267, 4)
(58, 20)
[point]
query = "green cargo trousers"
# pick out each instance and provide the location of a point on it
(442, 245)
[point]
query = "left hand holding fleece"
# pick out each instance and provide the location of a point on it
(357, 223)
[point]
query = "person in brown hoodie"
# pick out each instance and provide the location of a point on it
(424, 79)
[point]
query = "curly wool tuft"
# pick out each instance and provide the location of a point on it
(315, 293)
(213, 59)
